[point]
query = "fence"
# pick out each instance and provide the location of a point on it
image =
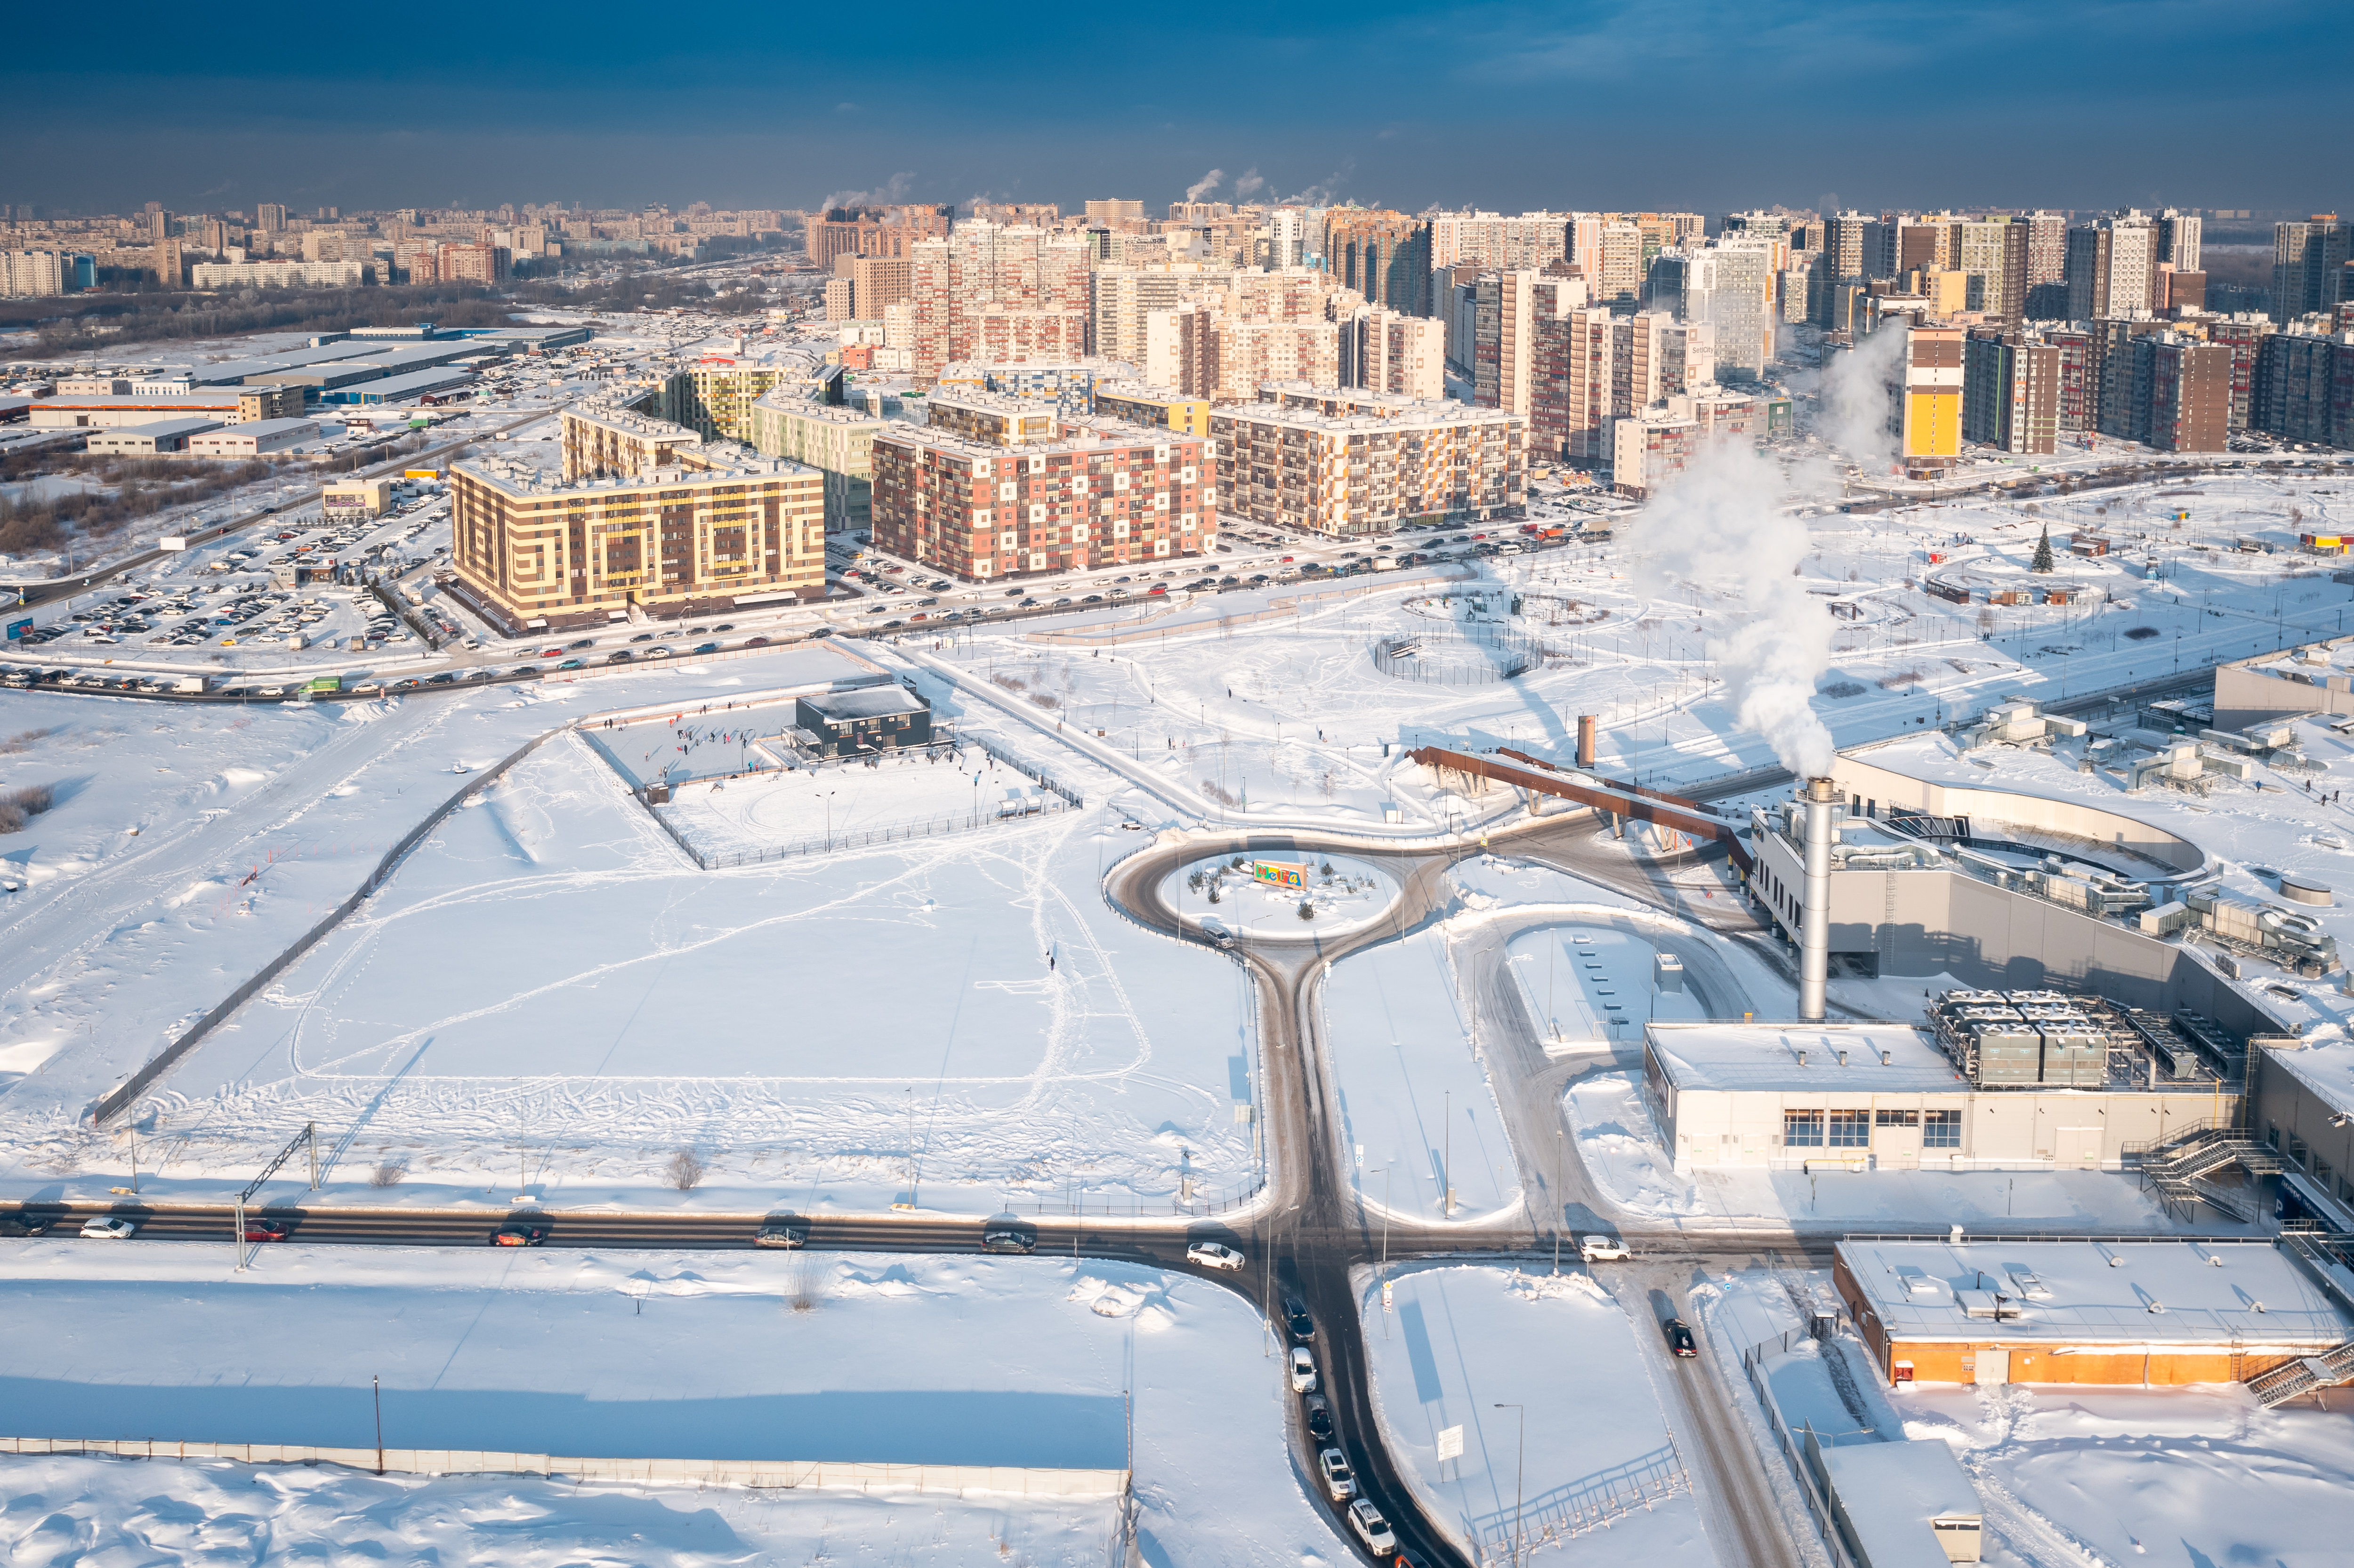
(1579, 1507)
(1198, 1206)
(1752, 1362)
(1056, 800)
(791, 1475)
(1461, 661)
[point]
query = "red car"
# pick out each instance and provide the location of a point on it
(1156, 588)
(551, 652)
(519, 1235)
(267, 1230)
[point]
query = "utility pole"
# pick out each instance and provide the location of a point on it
(376, 1384)
(1520, 1473)
(310, 1131)
(1447, 1155)
(1558, 1143)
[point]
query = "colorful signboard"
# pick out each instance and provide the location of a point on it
(1279, 873)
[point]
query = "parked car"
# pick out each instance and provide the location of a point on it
(1340, 1481)
(783, 1233)
(1602, 1249)
(1303, 1371)
(1370, 1527)
(519, 1235)
(1320, 1418)
(1005, 1240)
(1210, 1254)
(108, 1227)
(1296, 1317)
(1680, 1338)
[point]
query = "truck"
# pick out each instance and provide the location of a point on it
(325, 685)
(193, 686)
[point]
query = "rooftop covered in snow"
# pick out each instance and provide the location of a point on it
(1881, 1058)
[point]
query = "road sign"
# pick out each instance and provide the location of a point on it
(1279, 873)
(1450, 1444)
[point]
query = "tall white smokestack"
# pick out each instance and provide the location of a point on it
(1815, 908)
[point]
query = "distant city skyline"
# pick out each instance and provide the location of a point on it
(1503, 106)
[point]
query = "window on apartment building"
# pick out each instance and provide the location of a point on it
(1851, 1129)
(1802, 1129)
(1941, 1129)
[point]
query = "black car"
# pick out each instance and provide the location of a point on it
(1296, 1317)
(1320, 1418)
(784, 1234)
(27, 1225)
(1005, 1240)
(1680, 1338)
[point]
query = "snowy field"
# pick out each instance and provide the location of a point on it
(1597, 1475)
(809, 807)
(966, 1014)
(1618, 1144)
(1415, 1097)
(1337, 893)
(1019, 1362)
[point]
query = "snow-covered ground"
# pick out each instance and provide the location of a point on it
(1415, 1098)
(1618, 1143)
(1031, 1361)
(1334, 896)
(1570, 1436)
(787, 1023)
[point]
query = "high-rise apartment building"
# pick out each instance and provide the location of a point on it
(2079, 385)
(1383, 351)
(2245, 335)
(269, 217)
(32, 274)
(1115, 214)
(1928, 395)
(2178, 240)
(1004, 294)
(2111, 265)
(1122, 298)
(1350, 464)
(1490, 242)
(2305, 388)
(1593, 366)
(1730, 286)
(1649, 447)
(877, 230)
(2188, 387)
(2011, 391)
(1504, 340)
(837, 442)
(642, 512)
(1843, 261)
(1992, 254)
(2309, 265)
(714, 398)
(1384, 255)
(1622, 266)
(997, 486)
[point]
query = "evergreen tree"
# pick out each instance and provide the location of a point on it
(2042, 562)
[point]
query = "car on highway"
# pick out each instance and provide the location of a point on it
(1602, 1249)
(551, 652)
(1680, 1338)
(1370, 1527)
(763, 642)
(108, 1227)
(1211, 1255)
(1303, 1371)
(1340, 1481)
(569, 665)
(26, 1225)
(584, 642)
(620, 656)
(1005, 1240)
(1320, 1418)
(661, 651)
(713, 647)
(782, 1232)
(1296, 1319)
(267, 1230)
(519, 1235)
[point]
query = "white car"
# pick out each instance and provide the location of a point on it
(1372, 1528)
(1602, 1249)
(1303, 1371)
(1340, 1481)
(1210, 1254)
(106, 1227)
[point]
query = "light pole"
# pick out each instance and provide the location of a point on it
(1447, 1155)
(1559, 1145)
(1519, 1471)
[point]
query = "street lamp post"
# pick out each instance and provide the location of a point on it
(1520, 1473)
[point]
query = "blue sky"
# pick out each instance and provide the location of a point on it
(1705, 104)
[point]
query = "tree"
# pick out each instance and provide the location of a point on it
(2042, 562)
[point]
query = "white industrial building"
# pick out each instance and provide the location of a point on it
(255, 438)
(1888, 1096)
(156, 438)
